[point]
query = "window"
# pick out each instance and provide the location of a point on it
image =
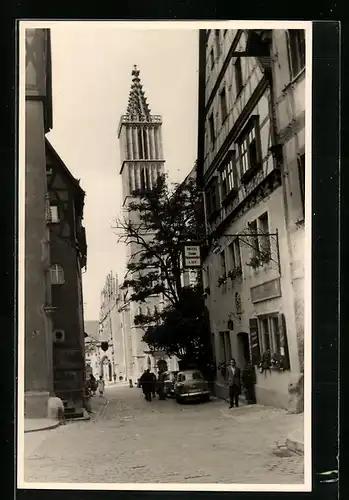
(254, 238)
(196, 376)
(249, 149)
(218, 45)
(140, 144)
(146, 154)
(238, 75)
(223, 99)
(270, 335)
(296, 40)
(212, 130)
(228, 176)
(54, 214)
(212, 198)
(56, 274)
(212, 58)
(263, 226)
(235, 255)
(301, 173)
(225, 346)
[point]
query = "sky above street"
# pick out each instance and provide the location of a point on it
(91, 67)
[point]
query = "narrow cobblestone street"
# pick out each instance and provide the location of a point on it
(131, 440)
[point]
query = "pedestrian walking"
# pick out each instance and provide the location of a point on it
(101, 385)
(153, 384)
(234, 382)
(249, 381)
(146, 382)
(161, 385)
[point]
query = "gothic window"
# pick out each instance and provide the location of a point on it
(143, 179)
(140, 144)
(296, 42)
(146, 152)
(57, 274)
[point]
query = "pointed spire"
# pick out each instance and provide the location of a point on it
(137, 103)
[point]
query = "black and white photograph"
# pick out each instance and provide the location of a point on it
(164, 274)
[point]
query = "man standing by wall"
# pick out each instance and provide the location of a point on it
(234, 382)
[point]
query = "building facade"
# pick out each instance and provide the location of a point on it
(251, 136)
(38, 377)
(110, 326)
(68, 260)
(142, 162)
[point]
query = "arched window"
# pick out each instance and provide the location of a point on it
(57, 274)
(146, 154)
(143, 179)
(140, 144)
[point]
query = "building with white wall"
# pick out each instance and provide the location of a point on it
(251, 142)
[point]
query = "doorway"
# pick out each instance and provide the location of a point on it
(244, 347)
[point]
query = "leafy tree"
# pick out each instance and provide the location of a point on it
(166, 219)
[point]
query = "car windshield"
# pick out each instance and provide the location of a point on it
(196, 376)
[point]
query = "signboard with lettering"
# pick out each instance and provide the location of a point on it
(254, 341)
(268, 290)
(192, 256)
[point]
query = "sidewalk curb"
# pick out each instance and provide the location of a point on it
(294, 444)
(44, 428)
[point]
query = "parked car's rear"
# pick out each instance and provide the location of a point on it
(189, 385)
(170, 378)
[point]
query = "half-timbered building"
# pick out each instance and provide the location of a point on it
(68, 249)
(247, 268)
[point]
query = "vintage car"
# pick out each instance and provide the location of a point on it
(170, 379)
(190, 385)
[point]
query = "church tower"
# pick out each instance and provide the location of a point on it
(140, 142)
(142, 161)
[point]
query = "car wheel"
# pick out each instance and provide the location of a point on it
(206, 398)
(179, 400)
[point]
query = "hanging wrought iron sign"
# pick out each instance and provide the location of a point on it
(104, 346)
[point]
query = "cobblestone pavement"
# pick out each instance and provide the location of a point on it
(131, 440)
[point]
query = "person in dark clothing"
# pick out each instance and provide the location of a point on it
(146, 382)
(234, 382)
(161, 385)
(153, 384)
(249, 381)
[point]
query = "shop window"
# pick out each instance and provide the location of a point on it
(225, 346)
(57, 274)
(296, 43)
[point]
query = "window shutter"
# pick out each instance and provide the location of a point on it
(254, 341)
(283, 341)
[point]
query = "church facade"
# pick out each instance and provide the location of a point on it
(142, 162)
